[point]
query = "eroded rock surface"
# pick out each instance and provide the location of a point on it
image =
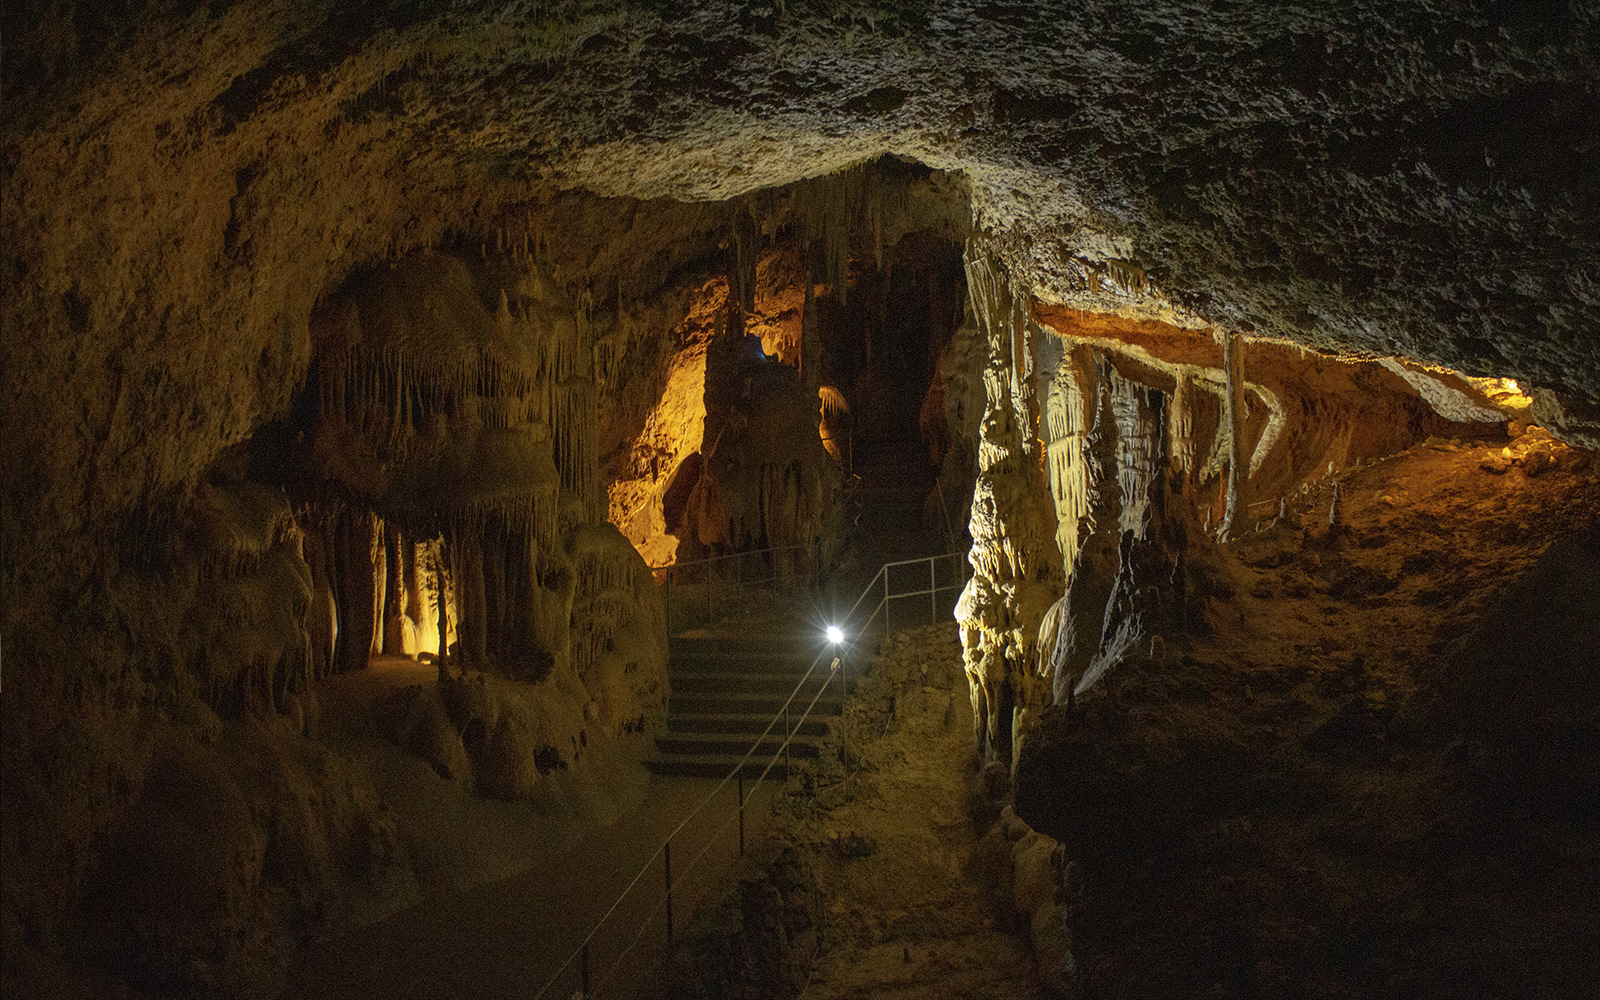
(1338, 786)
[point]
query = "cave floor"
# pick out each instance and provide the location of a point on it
(508, 937)
(893, 841)
(511, 888)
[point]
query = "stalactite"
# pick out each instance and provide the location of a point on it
(1180, 429)
(1234, 412)
(1070, 409)
(319, 620)
(1095, 573)
(377, 565)
(483, 414)
(1136, 451)
(1277, 420)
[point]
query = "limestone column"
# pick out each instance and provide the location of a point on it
(810, 338)
(1234, 414)
(356, 590)
(394, 601)
(474, 625)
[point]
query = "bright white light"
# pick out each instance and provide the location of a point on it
(835, 636)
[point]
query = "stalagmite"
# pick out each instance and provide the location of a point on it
(474, 625)
(357, 592)
(408, 559)
(1012, 511)
(441, 607)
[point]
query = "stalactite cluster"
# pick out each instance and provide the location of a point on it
(1121, 448)
(453, 474)
(245, 636)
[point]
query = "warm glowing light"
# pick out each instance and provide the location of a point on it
(835, 635)
(1505, 392)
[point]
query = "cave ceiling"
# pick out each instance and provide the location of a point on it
(183, 183)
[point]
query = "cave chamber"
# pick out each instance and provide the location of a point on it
(367, 373)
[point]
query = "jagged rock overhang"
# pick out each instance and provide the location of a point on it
(1307, 411)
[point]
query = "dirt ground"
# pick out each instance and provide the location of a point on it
(889, 831)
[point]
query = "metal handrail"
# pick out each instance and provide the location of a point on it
(739, 581)
(726, 555)
(791, 728)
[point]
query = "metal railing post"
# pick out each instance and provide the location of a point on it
(786, 735)
(933, 594)
(668, 856)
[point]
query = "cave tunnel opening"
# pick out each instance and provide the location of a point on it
(882, 340)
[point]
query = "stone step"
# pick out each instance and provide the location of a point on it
(714, 766)
(747, 682)
(702, 703)
(702, 663)
(702, 645)
(735, 746)
(749, 724)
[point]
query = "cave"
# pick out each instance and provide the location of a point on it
(411, 413)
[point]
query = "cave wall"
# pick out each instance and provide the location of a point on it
(1111, 462)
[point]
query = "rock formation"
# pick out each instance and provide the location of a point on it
(339, 331)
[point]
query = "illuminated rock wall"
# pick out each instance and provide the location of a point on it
(473, 427)
(1104, 460)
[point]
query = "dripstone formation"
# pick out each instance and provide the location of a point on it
(399, 333)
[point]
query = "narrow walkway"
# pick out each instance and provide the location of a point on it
(507, 938)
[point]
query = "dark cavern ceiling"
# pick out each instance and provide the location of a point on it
(427, 331)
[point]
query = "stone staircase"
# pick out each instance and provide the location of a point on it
(728, 683)
(726, 688)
